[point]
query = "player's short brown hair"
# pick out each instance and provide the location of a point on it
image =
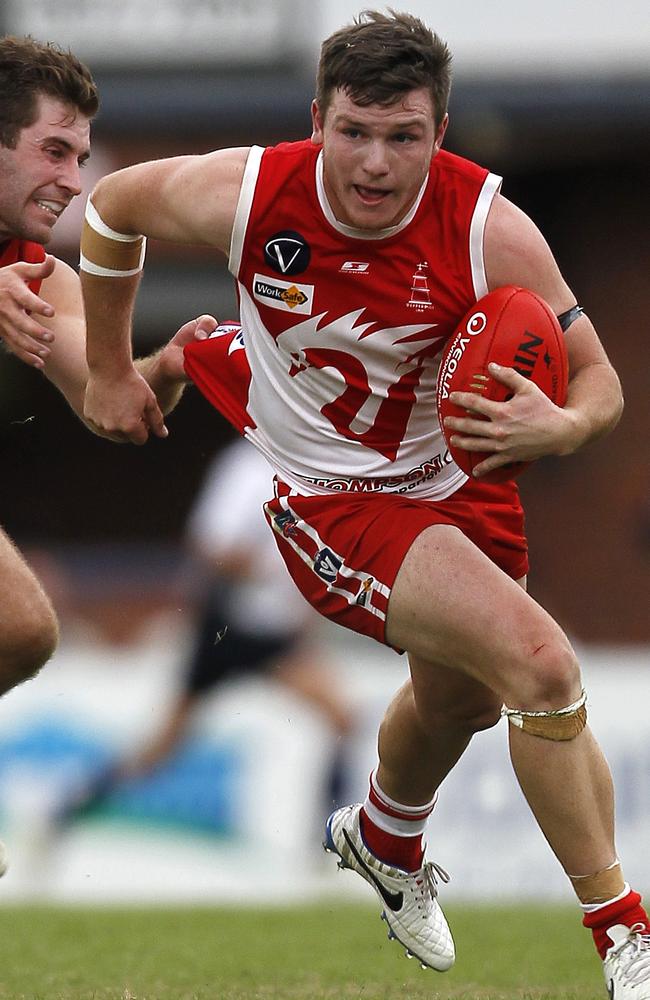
(28, 69)
(381, 56)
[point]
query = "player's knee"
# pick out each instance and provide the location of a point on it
(27, 645)
(550, 703)
(550, 680)
(43, 640)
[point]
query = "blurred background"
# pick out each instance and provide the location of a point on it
(558, 102)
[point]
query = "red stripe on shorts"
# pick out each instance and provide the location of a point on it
(344, 550)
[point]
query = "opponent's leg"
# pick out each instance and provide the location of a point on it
(28, 627)
(29, 630)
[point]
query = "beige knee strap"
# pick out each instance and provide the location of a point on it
(557, 724)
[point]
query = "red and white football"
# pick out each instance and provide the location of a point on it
(515, 328)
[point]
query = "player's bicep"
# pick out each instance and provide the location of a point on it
(185, 199)
(516, 253)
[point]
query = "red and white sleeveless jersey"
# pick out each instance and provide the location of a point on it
(344, 328)
(13, 251)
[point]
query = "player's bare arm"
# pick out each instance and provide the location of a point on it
(164, 370)
(529, 425)
(184, 199)
(65, 364)
(191, 200)
(66, 367)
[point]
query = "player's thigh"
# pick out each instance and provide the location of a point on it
(447, 696)
(450, 605)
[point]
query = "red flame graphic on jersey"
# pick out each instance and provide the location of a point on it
(377, 399)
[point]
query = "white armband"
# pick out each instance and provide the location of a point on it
(107, 253)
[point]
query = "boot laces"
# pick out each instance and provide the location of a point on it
(635, 954)
(431, 872)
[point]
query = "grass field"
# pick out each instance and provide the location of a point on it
(323, 952)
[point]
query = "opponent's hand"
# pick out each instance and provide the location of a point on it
(20, 308)
(521, 429)
(123, 408)
(170, 358)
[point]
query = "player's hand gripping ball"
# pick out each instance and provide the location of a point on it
(517, 329)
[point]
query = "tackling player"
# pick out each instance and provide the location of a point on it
(48, 101)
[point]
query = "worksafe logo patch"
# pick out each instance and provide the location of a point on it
(285, 295)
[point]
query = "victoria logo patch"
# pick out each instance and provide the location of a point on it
(287, 252)
(327, 565)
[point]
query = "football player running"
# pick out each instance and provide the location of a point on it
(356, 253)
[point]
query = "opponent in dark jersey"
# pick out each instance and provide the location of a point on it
(48, 101)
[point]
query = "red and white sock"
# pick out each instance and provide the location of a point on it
(624, 909)
(392, 831)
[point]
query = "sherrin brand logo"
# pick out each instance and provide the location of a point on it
(475, 325)
(283, 295)
(355, 267)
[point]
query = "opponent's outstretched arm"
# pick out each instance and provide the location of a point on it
(21, 310)
(189, 200)
(62, 357)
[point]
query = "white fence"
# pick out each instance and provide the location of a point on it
(271, 759)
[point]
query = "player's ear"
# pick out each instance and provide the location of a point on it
(316, 123)
(440, 133)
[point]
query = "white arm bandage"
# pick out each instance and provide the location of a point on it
(106, 253)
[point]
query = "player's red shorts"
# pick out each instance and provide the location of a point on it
(344, 550)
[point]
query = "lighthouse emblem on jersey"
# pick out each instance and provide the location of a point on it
(420, 297)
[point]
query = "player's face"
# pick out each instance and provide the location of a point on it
(375, 158)
(40, 177)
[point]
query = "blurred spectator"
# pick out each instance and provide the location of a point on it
(251, 619)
